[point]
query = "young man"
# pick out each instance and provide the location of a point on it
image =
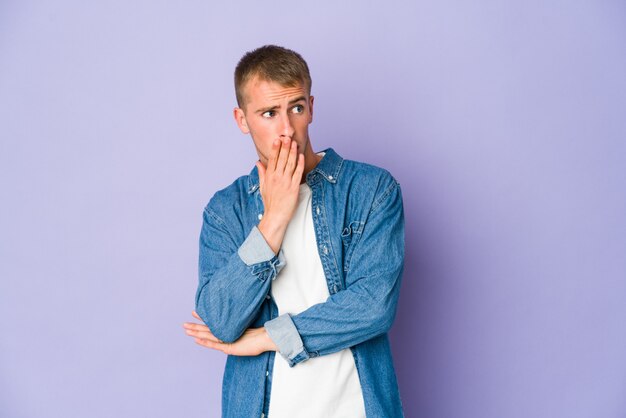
(304, 257)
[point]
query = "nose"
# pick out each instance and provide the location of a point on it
(286, 128)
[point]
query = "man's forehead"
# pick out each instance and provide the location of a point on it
(267, 90)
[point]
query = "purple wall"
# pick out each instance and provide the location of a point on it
(503, 123)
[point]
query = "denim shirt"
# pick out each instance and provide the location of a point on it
(359, 228)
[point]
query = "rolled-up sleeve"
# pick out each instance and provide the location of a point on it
(255, 250)
(233, 278)
(366, 307)
(284, 334)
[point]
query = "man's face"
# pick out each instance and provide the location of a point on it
(272, 111)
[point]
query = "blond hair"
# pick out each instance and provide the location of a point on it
(271, 63)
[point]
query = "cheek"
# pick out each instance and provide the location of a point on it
(303, 122)
(263, 139)
(261, 128)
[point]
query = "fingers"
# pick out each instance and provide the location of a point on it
(200, 331)
(284, 154)
(271, 163)
(288, 157)
(204, 335)
(226, 348)
(297, 174)
(190, 326)
(223, 347)
(292, 159)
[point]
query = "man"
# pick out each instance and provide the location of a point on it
(304, 257)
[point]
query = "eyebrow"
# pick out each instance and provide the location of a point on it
(291, 102)
(296, 100)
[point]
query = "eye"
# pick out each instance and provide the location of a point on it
(298, 109)
(268, 114)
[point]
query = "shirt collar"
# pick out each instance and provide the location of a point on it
(328, 168)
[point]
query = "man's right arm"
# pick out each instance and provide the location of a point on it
(233, 281)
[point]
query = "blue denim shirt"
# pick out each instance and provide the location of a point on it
(359, 228)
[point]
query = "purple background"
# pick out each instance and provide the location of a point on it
(503, 121)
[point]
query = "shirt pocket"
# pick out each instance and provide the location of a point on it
(350, 237)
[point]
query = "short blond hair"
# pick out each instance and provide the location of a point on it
(271, 63)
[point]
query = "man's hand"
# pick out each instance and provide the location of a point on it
(254, 341)
(279, 184)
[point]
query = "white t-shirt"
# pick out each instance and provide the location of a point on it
(325, 386)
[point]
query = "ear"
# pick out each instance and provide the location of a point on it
(240, 118)
(311, 108)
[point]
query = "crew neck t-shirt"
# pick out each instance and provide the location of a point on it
(324, 386)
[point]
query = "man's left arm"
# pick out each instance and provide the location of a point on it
(362, 311)
(367, 307)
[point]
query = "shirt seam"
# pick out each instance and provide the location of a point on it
(215, 217)
(384, 195)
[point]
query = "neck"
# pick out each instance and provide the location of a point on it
(310, 162)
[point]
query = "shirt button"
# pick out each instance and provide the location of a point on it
(267, 296)
(267, 373)
(330, 177)
(335, 288)
(317, 210)
(325, 249)
(260, 216)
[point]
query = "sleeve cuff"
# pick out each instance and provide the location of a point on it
(255, 249)
(256, 253)
(287, 338)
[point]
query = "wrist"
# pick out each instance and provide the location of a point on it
(268, 343)
(273, 231)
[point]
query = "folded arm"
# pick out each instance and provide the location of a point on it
(366, 308)
(233, 281)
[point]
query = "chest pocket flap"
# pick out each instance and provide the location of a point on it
(350, 237)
